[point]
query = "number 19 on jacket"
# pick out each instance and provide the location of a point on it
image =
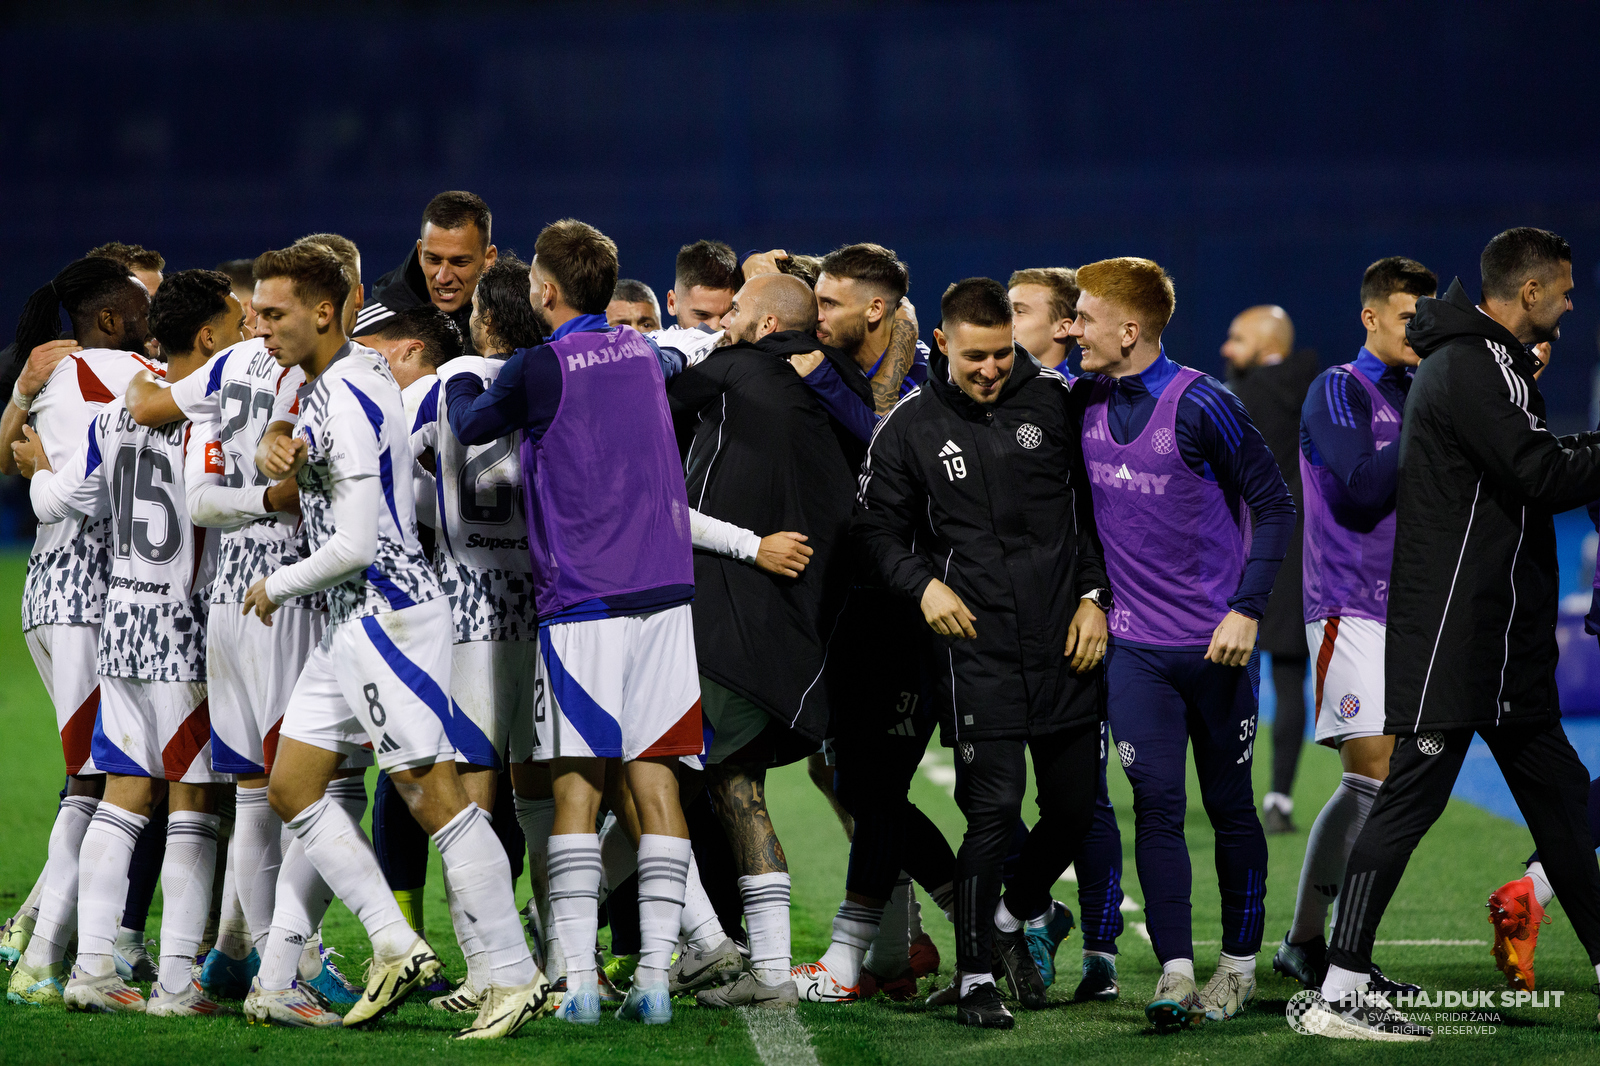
(955, 467)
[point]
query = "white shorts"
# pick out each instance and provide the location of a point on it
(155, 729)
(67, 658)
(378, 684)
(493, 684)
(1348, 658)
(250, 671)
(617, 688)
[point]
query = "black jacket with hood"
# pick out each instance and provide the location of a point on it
(767, 457)
(403, 288)
(1473, 591)
(993, 500)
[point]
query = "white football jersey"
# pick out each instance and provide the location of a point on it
(483, 558)
(67, 570)
(155, 612)
(353, 420)
(233, 399)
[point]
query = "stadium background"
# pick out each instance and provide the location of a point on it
(1262, 152)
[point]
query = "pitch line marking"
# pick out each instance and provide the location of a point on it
(779, 1037)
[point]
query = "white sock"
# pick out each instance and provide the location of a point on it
(766, 916)
(890, 953)
(854, 928)
(969, 981)
(301, 898)
(1341, 982)
(1543, 891)
(256, 853)
(233, 931)
(58, 884)
(701, 927)
(468, 940)
(479, 875)
(536, 818)
(1042, 919)
(1180, 966)
(618, 856)
(30, 906)
(663, 863)
(344, 857)
(1279, 801)
(1328, 846)
(186, 874)
(350, 793)
(103, 883)
(1237, 964)
(575, 872)
(1004, 920)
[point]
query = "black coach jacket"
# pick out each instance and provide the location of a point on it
(767, 457)
(1474, 590)
(993, 500)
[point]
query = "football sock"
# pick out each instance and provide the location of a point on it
(186, 884)
(1341, 982)
(663, 863)
(257, 855)
(890, 952)
(301, 898)
(1542, 889)
(575, 872)
(1004, 920)
(854, 928)
(1279, 802)
(351, 794)
(103, 883)
(1237, 964)
(914, 916)
(30, 906)
(344, 858)
(58, 884)
(699, 922)
(1042, 919)
(766, 915)
(536, 816)
(468, 940)
(1179, 966)
(233, 931)
(1328, 846)
(944, 897)
(476, 869)
(969, 981)
(144, 869)
(224, 905)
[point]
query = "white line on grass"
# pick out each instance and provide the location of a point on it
(1432, 943)
(779, 1036)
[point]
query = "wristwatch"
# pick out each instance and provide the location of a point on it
(1101, 598)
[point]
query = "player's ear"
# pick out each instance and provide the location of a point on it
(1130, 334)
(672, 302)
(939, 339)
(490, 256)
(876, 309)
(1369, 319)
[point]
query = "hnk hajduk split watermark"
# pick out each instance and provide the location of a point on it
(1472, 1011)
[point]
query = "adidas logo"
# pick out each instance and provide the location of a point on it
(1385, 416)
(1122, 472)
(387, 744)
(903, 730)
(949, 449)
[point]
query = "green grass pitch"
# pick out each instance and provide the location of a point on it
(1469, 853)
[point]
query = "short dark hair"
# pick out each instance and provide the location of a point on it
(581, 261)
(1517, 255)
(870, 263)
(239, 271)
(456, 208)
(440, 336)
(185, 302)
(1062, 283)
(343, 248)
(316, 272)
(977, 302)
(502, 294)
(1394, 274)
(132, 256)
(83, 288)
(708, 264)
(633, 291)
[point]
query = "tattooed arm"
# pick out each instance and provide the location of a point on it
(898, 357)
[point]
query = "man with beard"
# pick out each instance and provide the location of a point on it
(765, 455)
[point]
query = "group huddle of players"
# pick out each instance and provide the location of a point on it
(575, 582)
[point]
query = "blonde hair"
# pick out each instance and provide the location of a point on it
(1139, 286)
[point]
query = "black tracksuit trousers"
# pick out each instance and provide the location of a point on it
(1066, 769)
(1551, 788)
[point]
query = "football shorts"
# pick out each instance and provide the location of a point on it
(493, 682)
(155, 729)
(67, 657)
(1347, 656)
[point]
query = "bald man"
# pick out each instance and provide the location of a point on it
(1271, 378)
(765, 455)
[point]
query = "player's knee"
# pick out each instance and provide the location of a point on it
(287, 798)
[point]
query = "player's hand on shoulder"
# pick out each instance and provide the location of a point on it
(805, 364)
(29, 452)
(784, 554)
(944, 611)
(42, 363)
(257, 600)
(1233, 640)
